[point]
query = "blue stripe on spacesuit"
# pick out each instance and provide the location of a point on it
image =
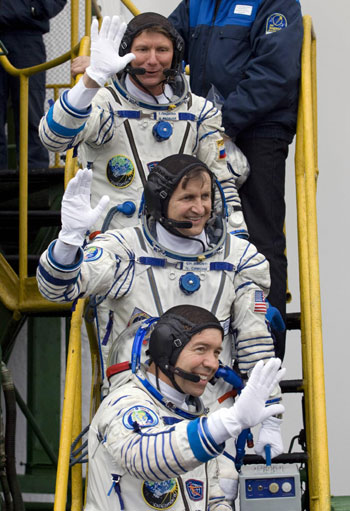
(143, 442)
(221, 266)
(61, 267)
(205, 440)
(59, 129)
(208, 134)
(170, 420)
(49, 292)
(194, 438)
(243, 285)
(55, 142)
(174, 455)
(218, 448)
(266, 348)
(69, 109)
(156, 457)
(117, 401)
(152, 261)
(164, 452)
(54, 280)
(147, 458)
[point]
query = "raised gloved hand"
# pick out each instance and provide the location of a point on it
(105, 60)
(77, 216)
(249, 409)
(270, 434)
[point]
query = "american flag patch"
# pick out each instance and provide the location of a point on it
(259, 302)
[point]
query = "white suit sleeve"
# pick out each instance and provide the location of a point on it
(149, 450)
(105, 268)
(65, 126)
(252, 281)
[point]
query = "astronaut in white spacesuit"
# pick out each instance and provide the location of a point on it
(144, 114)
(180, 253)
(151, 443)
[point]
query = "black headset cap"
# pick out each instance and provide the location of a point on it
(164, 178)
(174, 330)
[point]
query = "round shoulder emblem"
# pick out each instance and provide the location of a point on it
(92, 253)
(275, 22)
(120, 171)
(143, 416)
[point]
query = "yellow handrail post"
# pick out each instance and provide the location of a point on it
(312, 349)
(73, 361)
(77, 472)
(23, 183)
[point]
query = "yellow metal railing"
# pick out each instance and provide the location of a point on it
(306, 173)
(23, 296)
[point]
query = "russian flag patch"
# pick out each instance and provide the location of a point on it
(221, 148)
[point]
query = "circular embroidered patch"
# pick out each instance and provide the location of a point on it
(275, 22)
(160, 494)
(92, 253)
(143, 416)
(120, 171)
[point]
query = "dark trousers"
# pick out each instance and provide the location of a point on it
(262, 197)
(24, 50)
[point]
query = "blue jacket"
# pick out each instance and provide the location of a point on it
(250, 51)
(28, 15)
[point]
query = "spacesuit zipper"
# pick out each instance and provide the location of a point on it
(182, 489)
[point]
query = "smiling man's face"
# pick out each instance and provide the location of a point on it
(192, 203)
(201, 357)
(154, 52)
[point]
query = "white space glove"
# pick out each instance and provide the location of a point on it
(270, 434)
(77, 216)
(249, 409)
(105, 60)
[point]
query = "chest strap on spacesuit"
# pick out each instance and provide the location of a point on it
(156, 116)
(116, 485)
(214, 266)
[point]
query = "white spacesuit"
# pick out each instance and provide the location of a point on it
(124, 133)
(116, 473)
(151, 444)
(137, 276)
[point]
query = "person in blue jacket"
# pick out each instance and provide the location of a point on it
(250, 52)
(22, 25)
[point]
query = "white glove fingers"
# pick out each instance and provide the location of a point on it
(104, 30)
(85, 182)
(101, 206)
(94, 30)
(119, 33)
(280, 375)
(269, 372)
(255, 376)
(73, 186)
(126, 59)
(272, 410)
(114, 28)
